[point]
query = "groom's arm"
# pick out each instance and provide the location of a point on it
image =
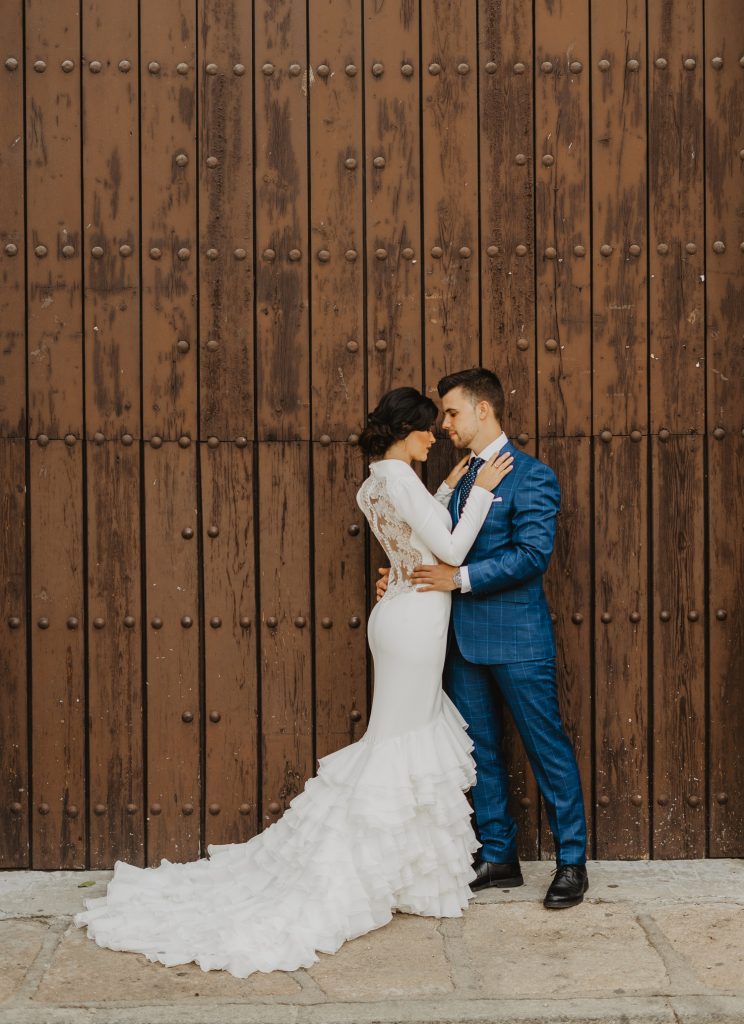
(537, 501)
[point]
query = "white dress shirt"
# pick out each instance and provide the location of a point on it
(488, 452)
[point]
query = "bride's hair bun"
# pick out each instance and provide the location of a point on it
(398, 413)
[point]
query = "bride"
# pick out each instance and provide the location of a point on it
(385, 825)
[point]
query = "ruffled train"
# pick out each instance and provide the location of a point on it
(383, 827)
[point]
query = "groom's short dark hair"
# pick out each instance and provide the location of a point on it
(482, 385)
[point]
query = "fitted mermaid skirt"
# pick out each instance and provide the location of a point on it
(384, 827)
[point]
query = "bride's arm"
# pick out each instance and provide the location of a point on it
(446, 488)
(443, 494)
(414, 505)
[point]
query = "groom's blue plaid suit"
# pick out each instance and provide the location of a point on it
(503, 641)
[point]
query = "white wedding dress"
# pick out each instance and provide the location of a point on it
(384, 827)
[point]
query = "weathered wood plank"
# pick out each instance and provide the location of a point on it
(168, 203)
(568, 589)
(678, 606)
(451, 258)
(226, 254)
(562, 223)
(507, 219)
(12, 240)
(116, 819)
(393, 195)
(231, 671)
(286, 626)
(724, 124)
(726, 640)
(173, 703)
(53, 236)
(619, 285)
(621, 754)
(676, 204)
(282, 245)
(340, 598)
(337, 284)
(14, 780)
(57, 656)
(724, 219)
(111, 218)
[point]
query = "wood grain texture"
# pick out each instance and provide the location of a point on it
(340, 598)
(116, 819)
(12, 240)
(568, 585)
(726, 645)
(230, 643)
(451, 257)
(336, 216)
(168, 210)
(676, 204)
(678, 539)
(286, 625)
(172, 687)
(226, 249)
(53, 221)
(111, 255)
(619, 193)
(57, 656)
(724, 213)
(283, 247)
(562, 224)
(507, 216)
(392, 98)
(621, 755)
(14, 748)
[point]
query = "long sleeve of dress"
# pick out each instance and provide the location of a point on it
(417, 507)
(443, 494)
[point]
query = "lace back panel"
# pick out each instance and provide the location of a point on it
(392, 532)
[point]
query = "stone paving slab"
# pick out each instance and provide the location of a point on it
(653, 943)
(20, 944)
(405, 958)
(82, 972)
(711, 940)
(521, 950)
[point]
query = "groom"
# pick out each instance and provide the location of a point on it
(503, 641)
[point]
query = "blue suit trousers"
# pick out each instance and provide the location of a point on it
(528, 688)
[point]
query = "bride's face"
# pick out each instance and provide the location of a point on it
(418, 443)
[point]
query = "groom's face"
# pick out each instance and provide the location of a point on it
(460, 418)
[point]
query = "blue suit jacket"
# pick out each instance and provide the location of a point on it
(505, 617)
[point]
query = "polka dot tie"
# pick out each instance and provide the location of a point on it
(468, 482)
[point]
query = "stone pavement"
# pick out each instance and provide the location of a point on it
(657, 943)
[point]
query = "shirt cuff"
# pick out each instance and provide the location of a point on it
(465, 587)
(444, 488)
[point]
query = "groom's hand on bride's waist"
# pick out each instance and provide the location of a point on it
(382, 582)
(434, 577)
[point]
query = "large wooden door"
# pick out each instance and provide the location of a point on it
(225, 230)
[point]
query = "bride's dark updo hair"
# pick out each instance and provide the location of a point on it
(398, 413)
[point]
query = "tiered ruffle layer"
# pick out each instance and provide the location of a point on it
(384, 827)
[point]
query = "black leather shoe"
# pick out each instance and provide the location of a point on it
(500, 876)
(567, 888)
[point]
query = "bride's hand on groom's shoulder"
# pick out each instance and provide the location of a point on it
(382, 582)
(458, 472)
(494, 470)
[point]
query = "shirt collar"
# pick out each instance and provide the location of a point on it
(493, 448)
